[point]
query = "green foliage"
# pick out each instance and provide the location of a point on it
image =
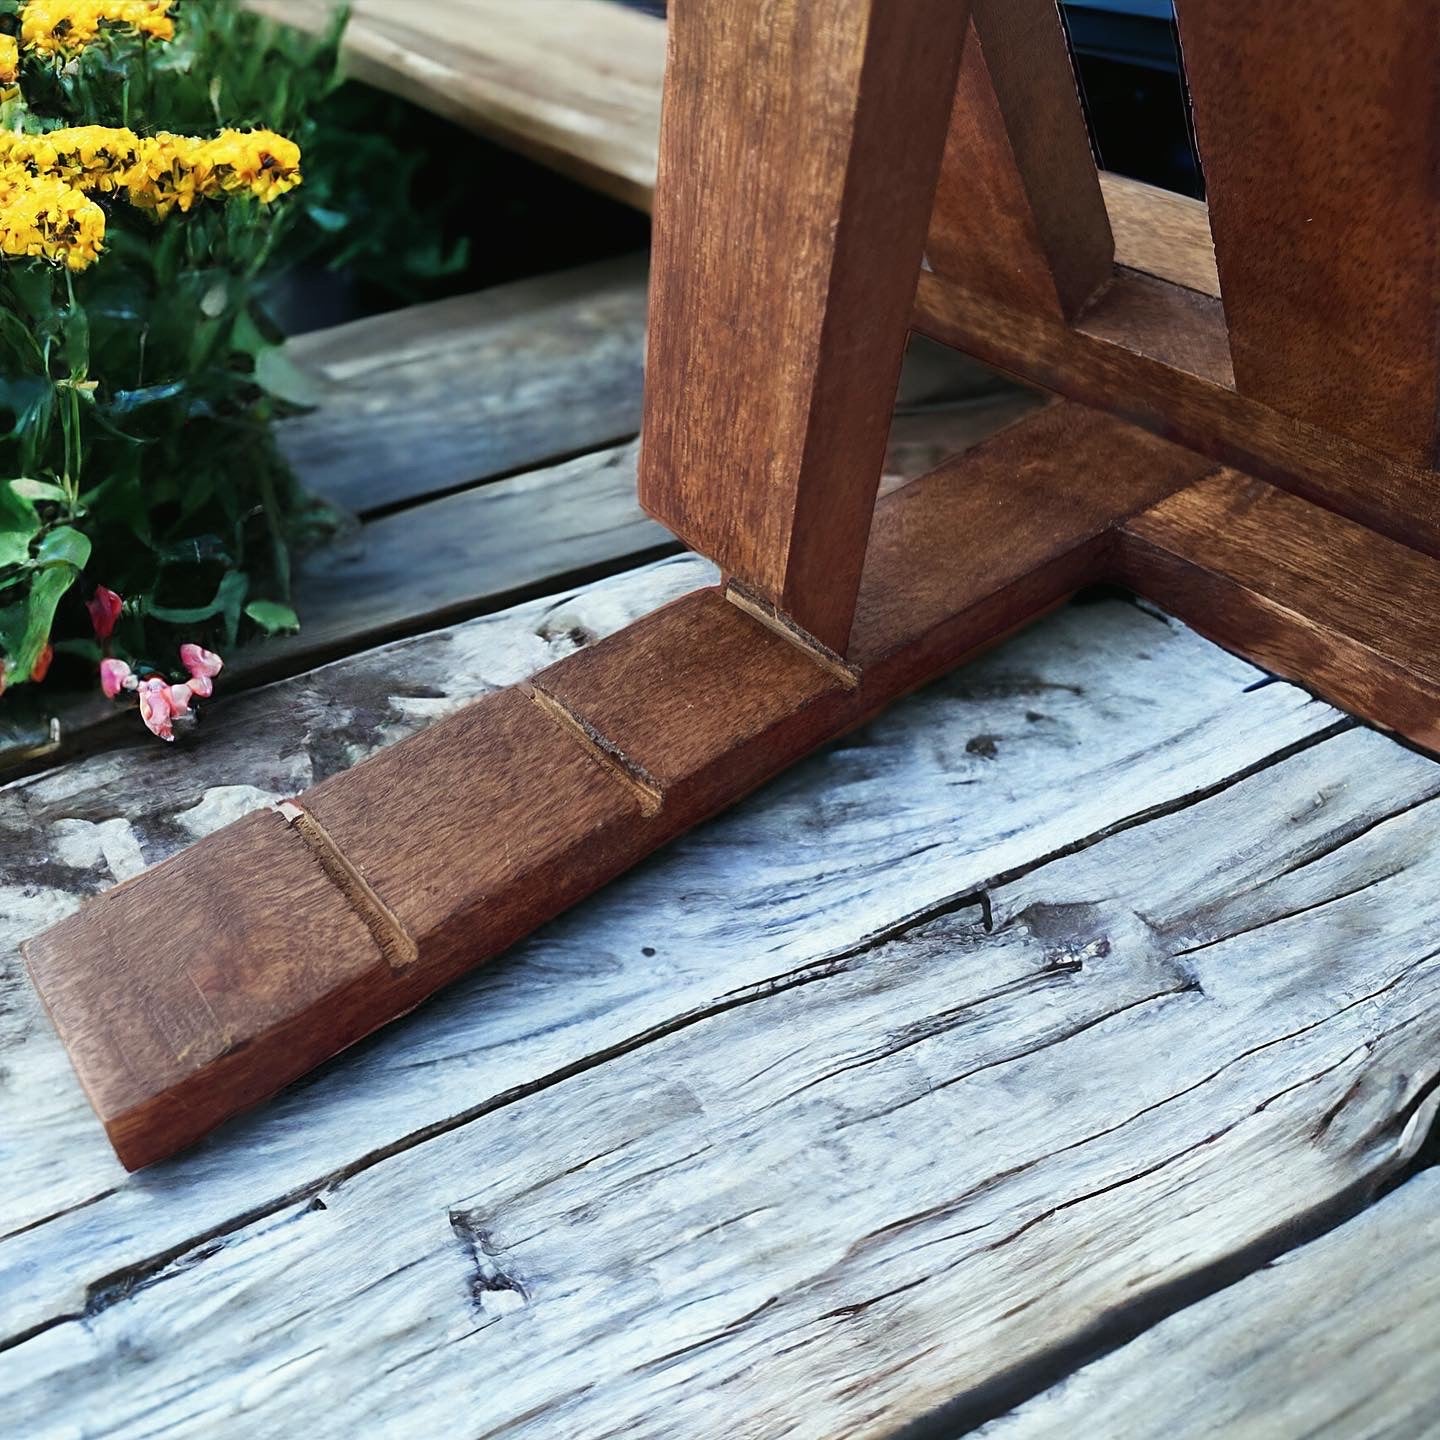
(137, 397)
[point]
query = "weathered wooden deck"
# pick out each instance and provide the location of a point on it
(1066, 995)
(1057, 1055)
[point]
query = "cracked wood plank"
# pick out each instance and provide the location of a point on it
(1005, 761)
(1334, 1338)
(863, 1180)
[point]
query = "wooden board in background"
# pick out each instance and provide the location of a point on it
(439, 397)
(573, 83)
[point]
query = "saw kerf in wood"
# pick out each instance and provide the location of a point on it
(832, 176)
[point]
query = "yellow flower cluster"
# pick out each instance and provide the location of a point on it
(89, 157)
(159, 173)
(65, 27)
(174, 171)
(9, 60)
(43, 217)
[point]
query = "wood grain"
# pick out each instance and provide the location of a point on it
(497, 818)
(572, 83)
(1320, 151)
(783, 276)
(434, 398)
(176, 992)
(1305, 593)
(1018, 211)
(1333, 1337)
(1161, 233)
(983, 773)
(902, 1162)
(1156, 353)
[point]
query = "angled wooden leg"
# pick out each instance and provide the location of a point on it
(799, 152)
(1318, 137)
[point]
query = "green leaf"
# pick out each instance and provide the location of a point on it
(64, 546)
(18, 527)
(28, 489)
(45, 595)
(278, 375)
(227, 602)
(77, 341)
(272, 617)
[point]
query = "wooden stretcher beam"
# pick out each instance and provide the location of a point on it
(1158, 354)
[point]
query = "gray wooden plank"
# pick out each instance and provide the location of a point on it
(882, 1165)
(436, 397)
(1335, 1338)
(1057, 737)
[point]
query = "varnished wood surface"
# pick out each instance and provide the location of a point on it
(388, 1248)
(1018, 213)
(1320, 154)
(1157, 354)
(783, 279)
(1308, 594)
(199, 970)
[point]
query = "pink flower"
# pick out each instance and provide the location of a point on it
(203, 666)
(104, 607)
(180, 696)
(155, 708)
(115, 676)
(42, 663)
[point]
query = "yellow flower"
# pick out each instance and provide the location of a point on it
(89, 157)
(175, 171)
(42, 217)
(9, 60)
(260, 161)
(169, 173)
(65, 27)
